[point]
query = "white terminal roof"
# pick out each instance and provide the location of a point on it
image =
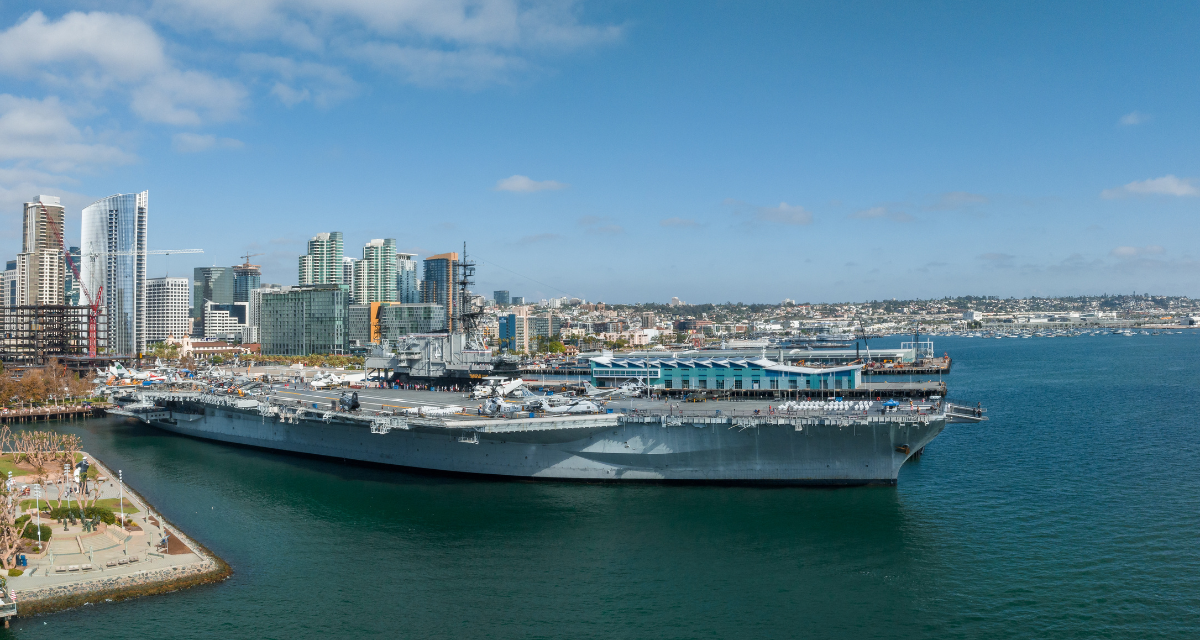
(610, 361)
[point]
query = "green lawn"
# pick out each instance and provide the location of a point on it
(111, 503)
(7, 464)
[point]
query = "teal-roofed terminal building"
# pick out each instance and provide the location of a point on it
(723, 374)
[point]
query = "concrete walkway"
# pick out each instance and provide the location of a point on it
(76, 557)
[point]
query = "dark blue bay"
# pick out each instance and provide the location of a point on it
(1072, 513)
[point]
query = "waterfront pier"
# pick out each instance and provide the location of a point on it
(53, 412)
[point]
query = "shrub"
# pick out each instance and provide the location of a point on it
(106, 515)
(31, 532)
(12, 573)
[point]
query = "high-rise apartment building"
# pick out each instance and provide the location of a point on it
(167, 307)
(114, 257)
(246, 278)
(323, 263)
(515, 332)
(349, 271)
(210, 284)
(546, 325)
(408, 284)
(8, 286)
(41, 268)
(501, 297)
(375, 274)
(303, 320)
(438, 285)
(253, 312)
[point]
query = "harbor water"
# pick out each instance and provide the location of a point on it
(1073, 512)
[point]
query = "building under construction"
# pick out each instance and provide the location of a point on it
(33, 335)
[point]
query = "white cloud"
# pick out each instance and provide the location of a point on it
(194, 142)
(498, 23)
(323, 85)
(188, 98)
(524, 184)
(97, 52)
(784, 214)
(94, 48)
(1167, 185)
(424, 42)
(38, 142)
(1134, 118)
(1134, 252)
(437, 67)
(41, 132)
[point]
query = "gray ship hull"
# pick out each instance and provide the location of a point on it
(830, 451)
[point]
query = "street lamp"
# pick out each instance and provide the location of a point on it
(37, 496)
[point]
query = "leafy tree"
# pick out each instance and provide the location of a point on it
(165, 350)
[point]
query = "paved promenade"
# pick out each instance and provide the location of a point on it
(77, 563)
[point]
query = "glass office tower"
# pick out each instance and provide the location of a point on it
(113, 256)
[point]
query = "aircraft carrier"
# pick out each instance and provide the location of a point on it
(846, 443)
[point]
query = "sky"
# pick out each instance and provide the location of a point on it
(629, 151)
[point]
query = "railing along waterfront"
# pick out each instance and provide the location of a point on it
(60, 412)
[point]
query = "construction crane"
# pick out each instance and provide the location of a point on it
(248, 256)
(94, 303)
(93, 317)
(150, 252)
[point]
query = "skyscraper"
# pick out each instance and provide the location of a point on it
(408, 289)
(323, 263)
(246, 278)
(167, 309)
(375, 274)
(210, 284)
(349, 271)
(41, 268)
(298, 321)
(501, 297)
(114, 256)
(441, 274)
(71, 285)
(8, 286)
(254, 315)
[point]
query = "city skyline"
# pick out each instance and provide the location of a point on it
(607, 151)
